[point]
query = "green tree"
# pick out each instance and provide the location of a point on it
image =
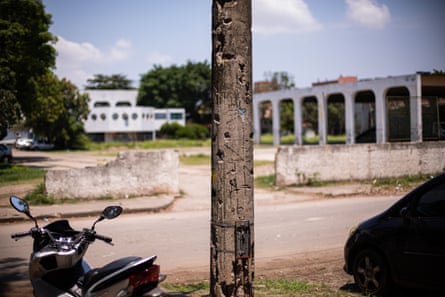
(27, 53)
(9, 111)
(70, 132)
(59, 111)
(109, 82)
(310, 113)
(336, 118)
(186, 86)
(47, 106)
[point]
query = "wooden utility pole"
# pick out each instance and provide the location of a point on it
(232, 214)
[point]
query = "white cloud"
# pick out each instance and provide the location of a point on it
(283, 16)
(79, 61)
(157, 58)
(368, 13)
(120, 51)
(72, 52)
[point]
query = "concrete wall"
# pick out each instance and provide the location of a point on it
(132, 173)
(299, 164)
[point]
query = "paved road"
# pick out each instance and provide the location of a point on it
(181, 239)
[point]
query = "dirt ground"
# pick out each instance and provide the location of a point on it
(323, 267)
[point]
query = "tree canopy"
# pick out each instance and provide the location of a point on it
(109, 82)
(58, 112)
(27, 53)
(29, 90)
(185, 86)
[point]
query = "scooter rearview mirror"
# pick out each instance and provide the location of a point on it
(22, 206)
(19, 204)
(110, 212)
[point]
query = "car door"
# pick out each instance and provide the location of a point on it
(423, 252)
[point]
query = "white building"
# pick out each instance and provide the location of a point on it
(369, 104)
(114, 116)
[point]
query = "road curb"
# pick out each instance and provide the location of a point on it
(90, 209)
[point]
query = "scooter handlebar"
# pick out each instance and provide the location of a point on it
(21, 234)
(103, 238)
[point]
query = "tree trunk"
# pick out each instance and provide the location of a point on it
(232, 212)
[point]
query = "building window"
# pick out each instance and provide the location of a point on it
(115, 116)
(160, 116)
(125, 116)
(123, 103)
(94, 117)
(176, 116)
(103, 116)
(101, 104)
(134, 116)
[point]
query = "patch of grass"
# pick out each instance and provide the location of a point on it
(197, 289)
(38, 197)
(290, 139)
(263, 288)
(400, 183)
(152, 144)
(11, 173)
(265, 181)
(263, 162)
(199, 159)
(405, 181)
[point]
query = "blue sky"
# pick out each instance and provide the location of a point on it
(312, 40)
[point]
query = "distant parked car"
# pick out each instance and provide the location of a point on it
(23, 143)
(5, 153)
(41, 145)
(404, 245)
(33, 144)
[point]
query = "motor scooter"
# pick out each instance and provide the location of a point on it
(57, 267)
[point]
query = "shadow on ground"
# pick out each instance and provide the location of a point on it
(396, 292)
(14, 277)
(182, 294)
(29, 160)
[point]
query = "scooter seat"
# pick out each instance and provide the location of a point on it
(95, 274)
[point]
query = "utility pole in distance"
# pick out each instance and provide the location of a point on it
(232, 210)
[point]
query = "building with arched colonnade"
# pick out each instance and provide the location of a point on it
(396, 108)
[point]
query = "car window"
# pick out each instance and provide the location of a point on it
(432, 203)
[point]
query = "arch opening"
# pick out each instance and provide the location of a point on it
(336, 128)
(309, 107)
(365, 117)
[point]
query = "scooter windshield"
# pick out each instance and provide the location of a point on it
(60, 226)
(61, 232)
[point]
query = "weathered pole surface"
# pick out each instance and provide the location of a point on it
(232, 211)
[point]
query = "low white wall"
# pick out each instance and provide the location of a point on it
(299, 164)
(132, 173)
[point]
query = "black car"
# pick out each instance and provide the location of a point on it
(5, 153)
(404, 245)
